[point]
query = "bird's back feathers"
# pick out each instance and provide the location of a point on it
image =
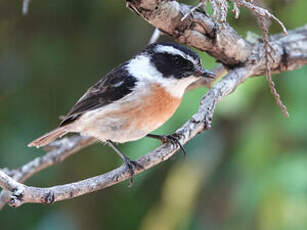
(114, 86)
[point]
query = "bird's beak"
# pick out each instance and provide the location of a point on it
(201, 72)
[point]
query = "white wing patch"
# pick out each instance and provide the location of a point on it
(117, 84)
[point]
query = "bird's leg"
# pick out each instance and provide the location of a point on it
(172, 138)
(130, 164)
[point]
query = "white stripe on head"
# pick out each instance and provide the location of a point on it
(171, 50)
(142, 69)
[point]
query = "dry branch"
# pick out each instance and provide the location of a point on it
(201, 120)
(243, 59)
(25, 6)
(61, 149)
(220, 10)
(198, 29)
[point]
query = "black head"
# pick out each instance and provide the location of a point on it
(177, 61)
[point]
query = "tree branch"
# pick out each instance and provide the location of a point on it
(60, 150)
(21, 193)
(243, 59)
(197, 29)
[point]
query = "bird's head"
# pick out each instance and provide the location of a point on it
(176, 61)
(172, 65)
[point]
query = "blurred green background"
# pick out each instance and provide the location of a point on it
(248, 172)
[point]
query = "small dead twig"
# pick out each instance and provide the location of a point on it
(263, 15)
(260, 12)
(269, 50)
(220, 10)
(25, 6)
(201, 2)
(155, 36)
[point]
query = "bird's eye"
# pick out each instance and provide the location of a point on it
(177, 60)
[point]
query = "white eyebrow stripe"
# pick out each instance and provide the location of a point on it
(169, 49)
(174, 51)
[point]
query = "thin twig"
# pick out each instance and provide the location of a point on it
(236, 10)
(155, 36)
(192, 10)
(25, 6)
(261, 12)
(269, 49)
(220, 9)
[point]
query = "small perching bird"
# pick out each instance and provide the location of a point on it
(133, 99)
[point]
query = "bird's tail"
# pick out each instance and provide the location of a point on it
(49, 137)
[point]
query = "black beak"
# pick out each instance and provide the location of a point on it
(201, 72)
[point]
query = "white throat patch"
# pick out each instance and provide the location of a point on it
(146, 73)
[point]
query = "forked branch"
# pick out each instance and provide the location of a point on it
(242, 58)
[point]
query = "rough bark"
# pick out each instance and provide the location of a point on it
(197, 29)
(241, 58)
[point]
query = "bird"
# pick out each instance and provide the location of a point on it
(133, 99)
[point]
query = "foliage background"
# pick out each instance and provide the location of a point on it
(247, 172)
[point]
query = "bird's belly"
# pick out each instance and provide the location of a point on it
(131, 120)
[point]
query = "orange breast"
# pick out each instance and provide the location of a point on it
(135, 118)
(155, 109)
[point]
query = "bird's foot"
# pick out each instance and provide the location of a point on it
(131, 166)
(172, 138)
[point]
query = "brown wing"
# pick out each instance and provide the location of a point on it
(114, 86)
